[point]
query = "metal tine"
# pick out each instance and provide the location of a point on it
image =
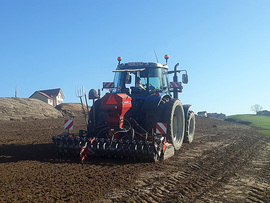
(79, 94)
(76, 92)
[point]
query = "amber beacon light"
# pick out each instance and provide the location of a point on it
(166, 57)
(119, 59)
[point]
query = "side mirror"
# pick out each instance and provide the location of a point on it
(93, 94)
(185, 78)
(128, 79)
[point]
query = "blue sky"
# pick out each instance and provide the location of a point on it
(224, 45)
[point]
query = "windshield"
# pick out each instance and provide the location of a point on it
(157, 79)
(152, 80)
(119, 81)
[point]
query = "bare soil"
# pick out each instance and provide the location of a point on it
(26, 109)
(71, 110)
(226, 162)
(32, 109)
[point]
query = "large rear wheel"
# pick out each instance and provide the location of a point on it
(190, 127)
(175, 119)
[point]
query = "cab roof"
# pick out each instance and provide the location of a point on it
(138, 65)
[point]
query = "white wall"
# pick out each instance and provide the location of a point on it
(59, 99)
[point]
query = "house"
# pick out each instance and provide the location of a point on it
(202, 114)
(263, 113)
(53, 97)
(217, 115)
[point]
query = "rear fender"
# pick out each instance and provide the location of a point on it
(152, 102)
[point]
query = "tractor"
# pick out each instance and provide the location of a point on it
(138, 118)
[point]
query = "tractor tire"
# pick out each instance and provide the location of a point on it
(175, 119)
(190, 127)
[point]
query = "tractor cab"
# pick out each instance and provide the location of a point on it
(141, 78)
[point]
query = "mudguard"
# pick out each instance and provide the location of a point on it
(152, 102)
(186, 109)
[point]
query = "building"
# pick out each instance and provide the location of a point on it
(217, 115)
(263, 113)
(53, 97)
(202, 114)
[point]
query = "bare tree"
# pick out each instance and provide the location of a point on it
(256, 108)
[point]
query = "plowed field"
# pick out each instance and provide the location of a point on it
(226, 162)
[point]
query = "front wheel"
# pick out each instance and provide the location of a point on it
(175, 123)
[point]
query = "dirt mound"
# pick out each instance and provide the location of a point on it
(26, 109)
(70, 109)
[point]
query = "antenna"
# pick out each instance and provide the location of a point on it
(16, 91)
(156, 55)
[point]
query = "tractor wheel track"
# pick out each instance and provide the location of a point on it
(254, 181)
(189, 179)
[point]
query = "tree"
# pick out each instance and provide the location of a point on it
(256, 108)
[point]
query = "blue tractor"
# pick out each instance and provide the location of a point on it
(138, 118)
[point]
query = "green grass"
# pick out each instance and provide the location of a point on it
(265, 132)
(255, 120)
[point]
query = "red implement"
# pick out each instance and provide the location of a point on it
(116, 104)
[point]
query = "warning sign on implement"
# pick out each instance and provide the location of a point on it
(161, 128)
(68, 125)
